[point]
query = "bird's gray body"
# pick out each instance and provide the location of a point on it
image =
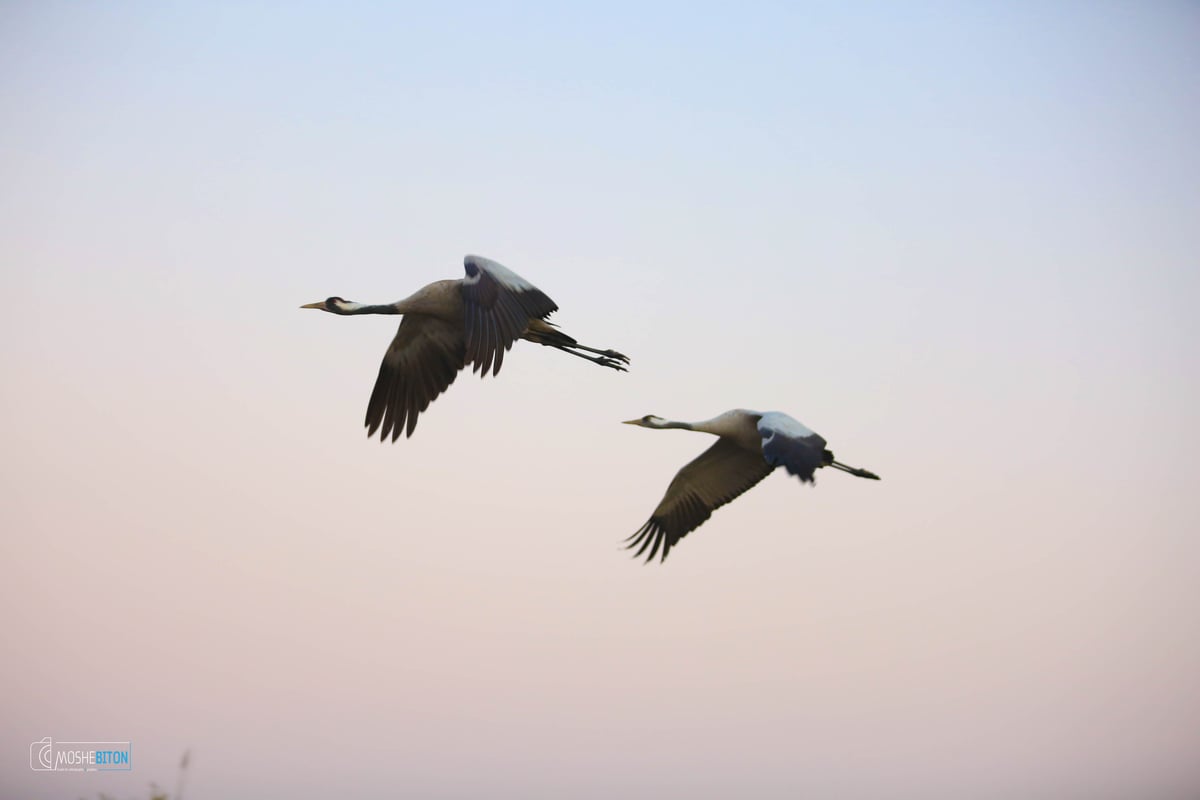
(449, 324)
(750, 445)
(440, 299)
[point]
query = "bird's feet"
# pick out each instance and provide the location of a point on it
(619, 366)
(615, 356)
(605, 358)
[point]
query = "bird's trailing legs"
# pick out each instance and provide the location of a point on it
(544, 333)
(861, 473)
(606, 358)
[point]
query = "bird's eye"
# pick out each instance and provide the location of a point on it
(647, 418)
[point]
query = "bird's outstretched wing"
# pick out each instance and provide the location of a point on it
(718, 475)
(788, 443)
(421, 362)
(497, 306)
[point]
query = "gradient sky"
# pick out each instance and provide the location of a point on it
(960, 240)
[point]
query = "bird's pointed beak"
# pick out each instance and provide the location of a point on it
(632, 422)
(320, 304)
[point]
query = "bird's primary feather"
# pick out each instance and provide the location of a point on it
(423, 359)
(715, 477)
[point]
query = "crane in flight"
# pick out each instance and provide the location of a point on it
(449, 324)
(750, 446)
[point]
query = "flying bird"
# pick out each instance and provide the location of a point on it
(751, 445)
(452, 323)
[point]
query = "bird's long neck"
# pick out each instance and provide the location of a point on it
(731, 423)
(670, 423)
(350, 309)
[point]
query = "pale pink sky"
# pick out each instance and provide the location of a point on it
(958, 241)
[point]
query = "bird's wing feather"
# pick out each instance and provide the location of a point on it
(498, 305)
(715, 477)
(788, 443)
(421, 362)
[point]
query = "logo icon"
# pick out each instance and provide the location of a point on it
(40, 754)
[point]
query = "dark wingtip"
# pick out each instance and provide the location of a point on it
(649, 534)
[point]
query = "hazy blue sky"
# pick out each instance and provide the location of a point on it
(960, 240)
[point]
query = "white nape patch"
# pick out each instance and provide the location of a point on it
(776, 422)
(346, 305)
(502, 274)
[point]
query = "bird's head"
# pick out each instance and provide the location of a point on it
(648, 421)
(334, 305)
